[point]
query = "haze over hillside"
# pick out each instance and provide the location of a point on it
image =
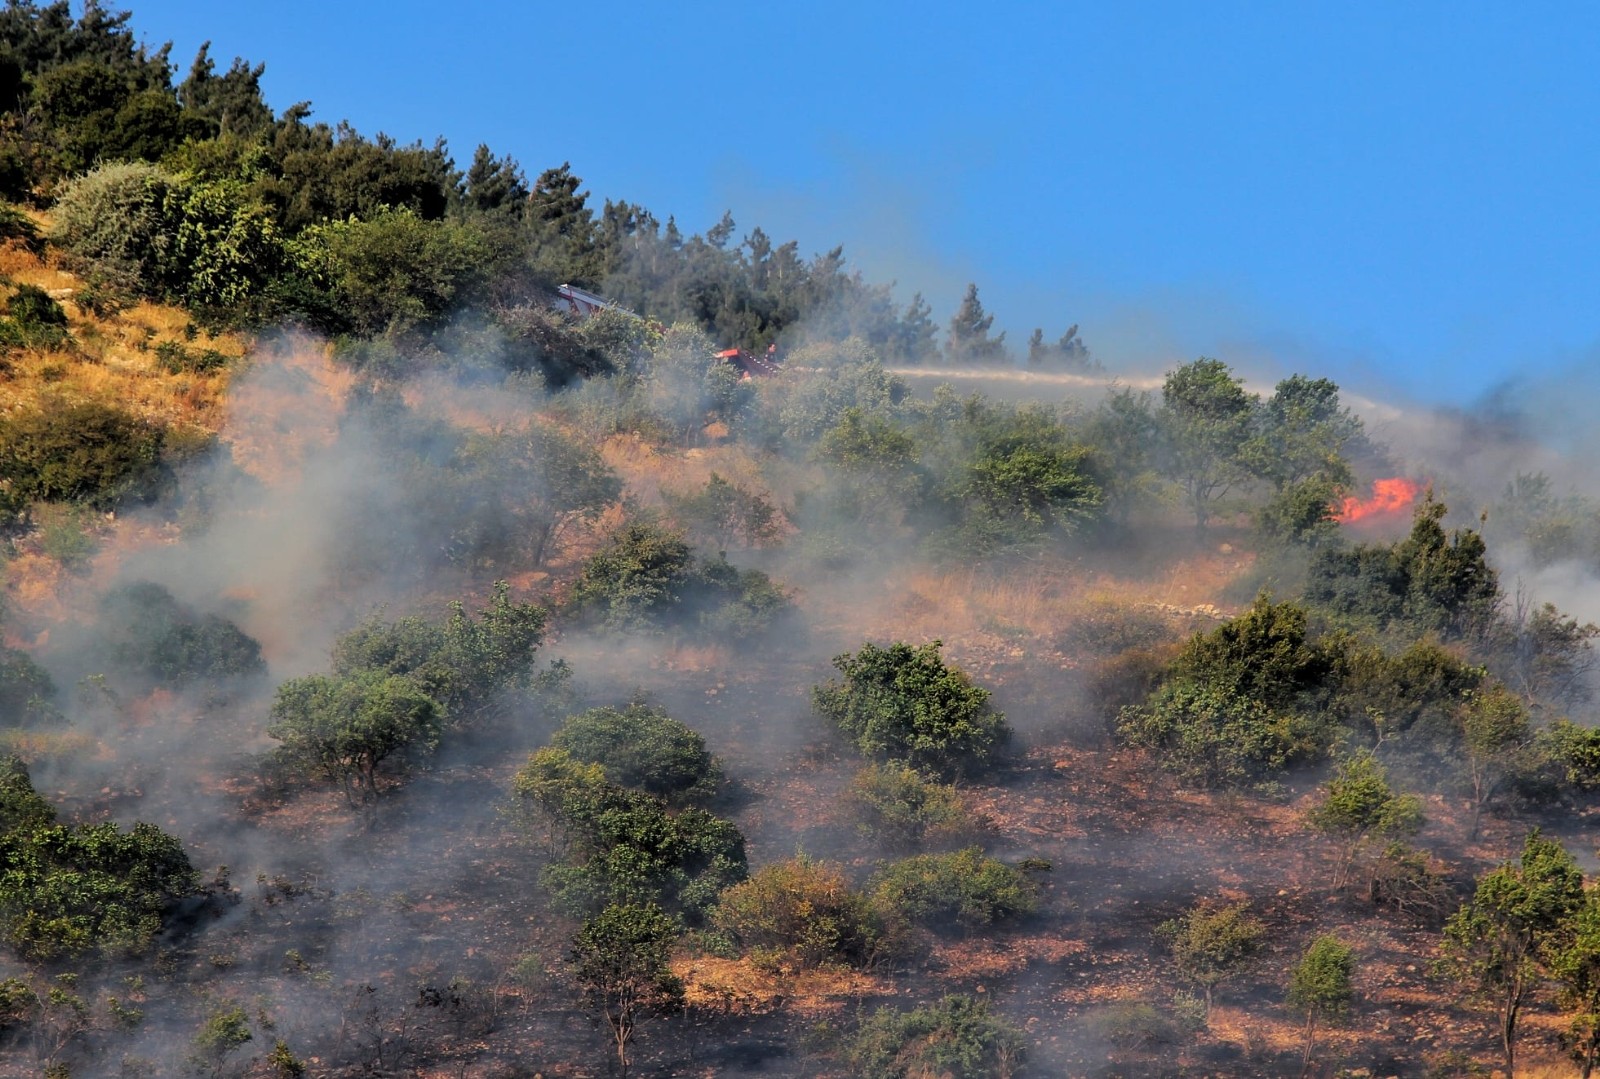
(457, 622)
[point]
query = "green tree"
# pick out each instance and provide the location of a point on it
(558, 799)
(1265, 654)
(1206, 419)
(1494, 943)
(968, 340)
(642, 747)
(1213, 942)
(1320, 988)
(907, 704)
(1495, 737)
(723, 511)
(622, 964)
(1304, 430)
(1362, 814)
(225, 1031)
(1123, 435)
(467, 664)
(1574, 959)
(395, 272)
(639, 576)
(345, 728)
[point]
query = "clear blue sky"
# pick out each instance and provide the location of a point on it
(1404, 192)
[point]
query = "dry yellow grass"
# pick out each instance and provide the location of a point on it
(649, 470)
(112, 359)
(736, 987)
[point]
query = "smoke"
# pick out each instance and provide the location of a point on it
(327, 501)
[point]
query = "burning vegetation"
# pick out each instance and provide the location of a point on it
(425, 652)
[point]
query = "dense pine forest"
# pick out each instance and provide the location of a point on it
(405, 672)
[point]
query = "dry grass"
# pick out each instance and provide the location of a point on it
(735, 987)
(112, 359)
(648, 470)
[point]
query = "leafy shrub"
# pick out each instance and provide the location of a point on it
(25, 690)
(147, 232)
(33, 320)
(175, 359)
(1137, 1027)
(463, 663)
(961, 889)
(1209, 739)
(642, 747)
(905, 807)
(1265, 654)
(722, 512)
(635, 850)
(1430, 580)
(64, 535)
(151, 633)
(87, 452)
(114, 219)
(802, 912)
(647, 577)
(1109, 629)
(621, 845)
(907, 704)
(957, 1038)
(66, 890)
(392, 273)
(637, 579)
(1212, 942)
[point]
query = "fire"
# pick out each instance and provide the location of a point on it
(1389, 496)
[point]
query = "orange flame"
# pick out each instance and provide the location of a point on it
(1389, 497)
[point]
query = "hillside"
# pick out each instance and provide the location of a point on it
(403, 673)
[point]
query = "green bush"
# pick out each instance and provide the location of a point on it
(1137, 1027)
(962, 889)
(393, 273)
(958, 1038)
(149, 632)
(33, 320)
(175, 359)
(114, 220)
(147, 232)
(344, 729)
(635, 850)
(647, 577)
(804, 913)
(620, 845)
(1209, 739)
(70, 889)
(87, 452)
(904, 807)
(25, 690)
(907, 704)
(642, 747)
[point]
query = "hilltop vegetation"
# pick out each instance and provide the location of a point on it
(529, 668)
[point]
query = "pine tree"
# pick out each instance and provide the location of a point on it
(969, 340)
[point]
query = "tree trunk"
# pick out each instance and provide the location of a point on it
(1508, 1030)
(1311, 1042)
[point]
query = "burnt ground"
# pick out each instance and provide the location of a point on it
(412, 938)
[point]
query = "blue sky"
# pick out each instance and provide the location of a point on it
(1400, 194)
